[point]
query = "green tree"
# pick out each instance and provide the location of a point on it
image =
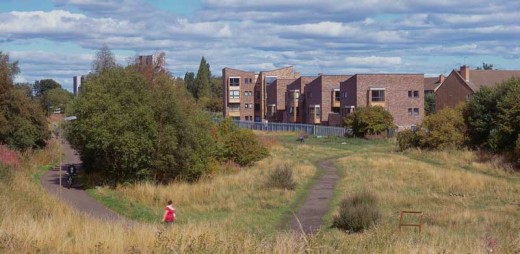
(216, 87)
(202, 80)
(41, 86)
(189, 82)
(184, 143)
(493, 116)
(485, 66)
(104, 60)
(115, 129)
(480, 116)
(429, 103)
(8, 71)
(22, 122)
(56, 98)
(369, 121)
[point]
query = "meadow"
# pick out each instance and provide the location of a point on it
(471, 204)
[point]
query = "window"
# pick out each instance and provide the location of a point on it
(291, 111)
(234, 107)
(413, 111)
(234, 81)
(294, 95)
(257, 94)
(234, 94)
(269, 79)
(377, 95)
(413, 94)
(248, 80)
(337, 95)
(235, 118)
(248, 105)
(271, 110)
(257, 107)
(315, 111)
(248, 93)
(344, 94)
(348, 109)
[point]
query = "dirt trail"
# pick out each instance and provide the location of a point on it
(75, 196)
(309, 217)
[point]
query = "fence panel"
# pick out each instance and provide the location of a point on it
(309, 129)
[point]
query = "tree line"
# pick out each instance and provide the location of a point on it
(24, 107)
(134, 127)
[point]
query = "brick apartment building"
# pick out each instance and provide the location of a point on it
(322, 96)
(295, 100)
(401, 94)
(245, 93)
(276, 100)
(461, 84)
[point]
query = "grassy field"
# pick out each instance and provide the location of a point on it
(470, 206)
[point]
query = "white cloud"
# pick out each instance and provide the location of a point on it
(374, 61)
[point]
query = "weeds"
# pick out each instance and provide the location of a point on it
(282, 177)
(357, 212)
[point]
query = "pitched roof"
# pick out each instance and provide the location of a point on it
(489, 78)
(431, 83)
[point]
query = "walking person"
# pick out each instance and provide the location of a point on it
(169, 213)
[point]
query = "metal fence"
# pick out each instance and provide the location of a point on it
(315, 130)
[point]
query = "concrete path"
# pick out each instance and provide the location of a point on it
(309, 217)
(75, 196)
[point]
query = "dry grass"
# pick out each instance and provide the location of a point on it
(469, 206)
(222, 214)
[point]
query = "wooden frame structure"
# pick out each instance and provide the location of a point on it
(402, 224)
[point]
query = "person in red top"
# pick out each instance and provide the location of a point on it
(169, 213)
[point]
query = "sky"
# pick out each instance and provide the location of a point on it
(58, 39)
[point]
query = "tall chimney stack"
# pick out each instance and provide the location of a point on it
(441, 78)
(464, 72)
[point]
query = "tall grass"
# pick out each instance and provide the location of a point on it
(235, 213)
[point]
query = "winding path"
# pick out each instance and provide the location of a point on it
(309, 218)
(76, 197)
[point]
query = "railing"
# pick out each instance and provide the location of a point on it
(314, 130)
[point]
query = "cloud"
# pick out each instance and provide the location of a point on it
(375, 61)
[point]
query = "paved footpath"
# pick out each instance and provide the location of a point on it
(316, 205)
(75, 196)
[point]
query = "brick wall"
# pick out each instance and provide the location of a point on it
(320, 91)
(249, 100)
(452, 92)
(397, 101)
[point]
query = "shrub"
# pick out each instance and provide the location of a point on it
(444, 129)
(357, 212)
(407, 139)
(238, 145)
(282, 177)
(369, 121)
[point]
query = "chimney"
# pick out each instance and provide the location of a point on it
(441, 78)
(464, 72)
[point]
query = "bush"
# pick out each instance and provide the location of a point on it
(238, 145)
(444, 129)
(369, 121)
(282, 177)
(357, 212)
(407, 139)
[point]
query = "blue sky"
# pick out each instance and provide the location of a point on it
(58, 38)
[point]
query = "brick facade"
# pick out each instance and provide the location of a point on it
(243, 109)
(251, 104)
(299, 86)
(453, 91)
(403, 95)
(320, 93)
(276, 100)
